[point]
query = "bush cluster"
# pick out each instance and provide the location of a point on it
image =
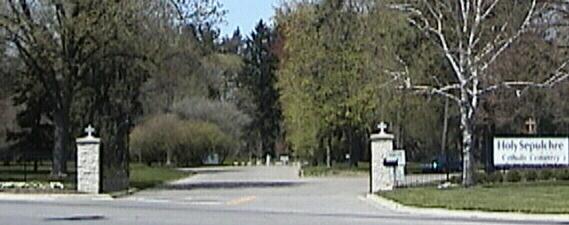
(531, 175)
(166, 139)
(518, 175)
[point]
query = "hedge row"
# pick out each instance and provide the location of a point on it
(528, 175)
(520, 175)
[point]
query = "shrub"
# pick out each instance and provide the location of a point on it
(222, 123)
(562, 174)
(155, 139)
(166, 138)
(530, 175)
(513, 176)
(495, 177)
(481, 178)
(225, 115)
(545, 174)
(456, 179)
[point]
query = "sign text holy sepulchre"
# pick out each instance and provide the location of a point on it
(531, 151)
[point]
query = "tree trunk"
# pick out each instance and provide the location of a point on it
(467, 123)
(489, 133)
(260, 149)
(328, 156)
(168, 157)
(61, 142)
(223, 156)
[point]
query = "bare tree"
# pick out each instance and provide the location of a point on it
(59, 43)
(472, 35)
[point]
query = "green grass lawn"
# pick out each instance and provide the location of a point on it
(18, 172)
(337, 170)
(25, 172)
(540, 197)
(142, 176)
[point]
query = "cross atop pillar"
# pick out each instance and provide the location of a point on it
(382, 127)
(89, 130)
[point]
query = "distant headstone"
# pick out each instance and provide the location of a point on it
(268, 161)
(285, 159)
(88, 163)
(382, 176)
(212, 159)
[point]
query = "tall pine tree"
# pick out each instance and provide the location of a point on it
(259, 78)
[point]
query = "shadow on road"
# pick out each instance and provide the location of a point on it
(76, 218)
(230, 185)
(210, 170)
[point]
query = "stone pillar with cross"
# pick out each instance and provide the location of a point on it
(88, 163)
(382, 176)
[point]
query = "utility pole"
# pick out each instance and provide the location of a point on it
(444, 139)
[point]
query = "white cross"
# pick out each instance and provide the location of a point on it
(382, 126)
(531, 125)
(90, 130)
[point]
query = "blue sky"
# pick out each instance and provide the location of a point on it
(245, 14)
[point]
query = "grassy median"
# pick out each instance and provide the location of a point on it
(142, 176)
(551, 197)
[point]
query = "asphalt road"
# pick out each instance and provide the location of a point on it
(231, 196)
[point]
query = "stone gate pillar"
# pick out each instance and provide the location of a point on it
(381, 176)
(88, 163)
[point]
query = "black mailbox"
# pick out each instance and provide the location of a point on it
(390, 162)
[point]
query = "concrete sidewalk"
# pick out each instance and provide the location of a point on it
(383, 203)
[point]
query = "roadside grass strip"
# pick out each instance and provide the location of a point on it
(534, 198)
(337, 170)
(142, 176)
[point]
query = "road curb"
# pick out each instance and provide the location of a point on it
(384, 203)
(52, 197)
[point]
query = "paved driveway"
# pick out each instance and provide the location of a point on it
(231, 196)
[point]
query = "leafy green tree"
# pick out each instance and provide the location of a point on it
(328, 75)
(301, 120)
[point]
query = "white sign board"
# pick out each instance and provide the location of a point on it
(530, 151)
(284, 158)
(398, 155)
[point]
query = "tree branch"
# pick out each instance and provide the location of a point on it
(509, 41)
(557, 77)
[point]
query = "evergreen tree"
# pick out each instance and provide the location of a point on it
(259, 79)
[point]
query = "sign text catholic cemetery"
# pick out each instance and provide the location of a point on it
(531, 152)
